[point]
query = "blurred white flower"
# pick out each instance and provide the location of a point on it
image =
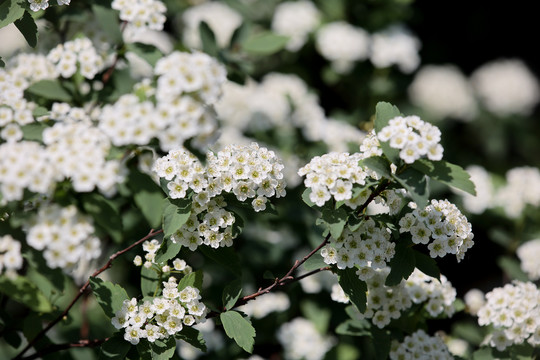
(296, 20)
(395, 45)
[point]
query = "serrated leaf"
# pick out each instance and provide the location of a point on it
(148, 53)
(208, 39)
(315, 262)
(232, 293)
(416, 184)
(334, 220)
(148, 197)
(108, 21)
(150, 282)
(22, 290)
(265, 43)
(173, 217)
(512, 268)
(109, 296)
(224, 256)
(402, 264)
(27, 26)
(10, 10)
(50, 90)
(193, 279)
(378, 164)
(193, 337)
(115, 348)
(104, 213)
(427, 265)
(239, 329)
(384, 112)
(353, 287)
(446, 173)
(353, 328)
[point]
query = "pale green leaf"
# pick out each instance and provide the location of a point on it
(109, 296)
(384, 112)
(447, 173)
(115, 348)
(239, 329)
(265, 43)
(193, 279)
(416, 184)
(173, 217)
(10, 10)
(22, 290)
(232, 293)
(193, 337)
(49, 89)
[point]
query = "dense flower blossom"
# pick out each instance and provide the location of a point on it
(507, 87)
(485, 192)
(529, 253)
(74, 56)
(413, 137)
(514, 311)
(522, 188)
(36, 5)
(343, 44)
(295, 19)
(443, 91)
(395, 45)
(301, 340)
(141, 14)
(10, 256)
(161, 317)
(420, 345)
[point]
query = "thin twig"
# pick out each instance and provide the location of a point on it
(59, 347)
(81, 291)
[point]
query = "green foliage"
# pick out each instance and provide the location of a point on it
(512, 268)
(239, 329)
(427, 265)
(193, 279)
(50, 90)
(147, 196)
(354, 287)
(231, 293)
(446, 173)
(174, 216)
(33, 131)
(319, 316)
(105, 214)
(10, 11)
(354, 327)
(24, 291)
(226, 257)
(109, 296)
(384, 112)
(264, 44)
(27, 26)
(115, 348)
(150, 281)
(402, 264)
(316, 261)
(193, 337)
(378, 164)
(333, 220)
(148, 53)
(208, 39)
(167, 251)
(108, 20)
(416, 184)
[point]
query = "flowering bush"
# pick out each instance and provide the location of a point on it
(230, 179)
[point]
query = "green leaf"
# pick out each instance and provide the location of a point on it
(208, 39)
(224, 256)
(167, 251)
(148, 197)
(378, 164)
(150, 281)
(173, 217)
(148, 53)
(104, 213)
(239, 35)
(315, 262)
(163, 349)
(416, 184)
(469, 331)
(354, 328)
(384, 112)
(353, 287)
(512, 268)
(50, 90)
(33, 131)
(40, 111)
(402, 264)
(381, 342)
(115, 348)
(320, 317)
(239, 329)
(193, 337)
(10, 11)
(108, 21)
(265, 43)
(232, 293)
(2, 63)
(109, 296)
(446, 173)
(305, 197)
(427, 265)
(334, 220)
(27, 26)
(193, 279)
(483, 354)
(22, 290)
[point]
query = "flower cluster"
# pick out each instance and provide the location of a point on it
(444, 223)
(395, 45)
(141, 14)
(36, 5)
(333, 175)
(266, 304)
(65, 236)
(522, 187)
(163, 316)
(76, 55)
(413, 137)
(514, 312)
(420, 345)
(295, 20)
(368, 248)
(529, 253)
(301, 340)
(249, 172)
(439, 296)
(343, 44)
(151, 247)
(10, 256)
(221, 19)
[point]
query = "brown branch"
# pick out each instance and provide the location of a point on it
(59, 347)
(107, 75)
(81, 291)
